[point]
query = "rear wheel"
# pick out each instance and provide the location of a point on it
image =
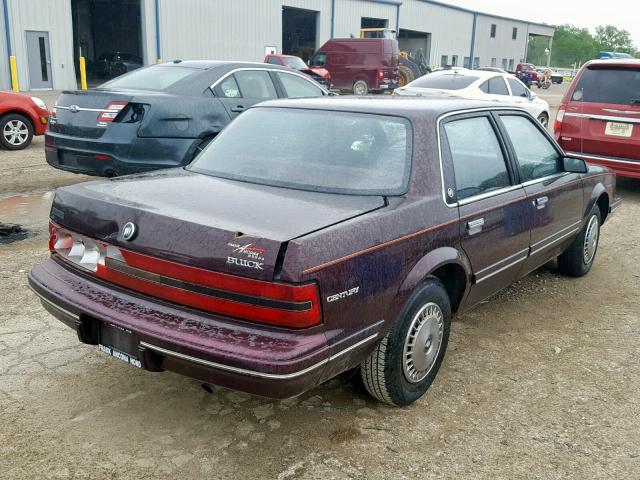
(544, 120)
(406, 75)
(405, 363)
(16, 131)
(577, 260)
(360, 87)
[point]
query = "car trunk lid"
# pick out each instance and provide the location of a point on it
(76, 112)
(222, 225)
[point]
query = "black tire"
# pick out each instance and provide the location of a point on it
(360, 87)
(384, 373)
(575, 261)
(16, 131)
(544, 120)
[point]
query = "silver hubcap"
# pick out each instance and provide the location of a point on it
(360, 89)
(15, 132)
(543, 121)
(423, 342)
(590, 240)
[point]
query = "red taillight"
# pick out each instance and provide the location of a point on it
(102, 157)
(380, 74)
(557, 126)
(281, 304)
(111, 111)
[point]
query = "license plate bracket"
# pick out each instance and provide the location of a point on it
(619, 129)
(119, 342)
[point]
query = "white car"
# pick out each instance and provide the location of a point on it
(480, 85)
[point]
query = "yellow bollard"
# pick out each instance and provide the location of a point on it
(83, 73)
(158, 61)
(14, 73)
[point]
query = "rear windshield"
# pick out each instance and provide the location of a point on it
(334, 152)
(608, 85)
(151, 78)
(444, 82)
(294, 62)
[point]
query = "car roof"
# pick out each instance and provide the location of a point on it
(614, 62)
(208, 64)
(414, 108)
(469, 73)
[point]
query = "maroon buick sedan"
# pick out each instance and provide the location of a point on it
(315, 236)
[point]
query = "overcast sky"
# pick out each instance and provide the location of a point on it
(583, 13)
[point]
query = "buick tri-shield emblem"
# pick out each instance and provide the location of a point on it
(74, 108)
(129, 231)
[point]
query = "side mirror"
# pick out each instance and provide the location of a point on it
(574, 165)
(532, 95)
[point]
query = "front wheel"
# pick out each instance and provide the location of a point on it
(577, 260)
(404, 364)
(360, 87)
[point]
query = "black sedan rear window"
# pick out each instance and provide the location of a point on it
(151, 78)
(323, 151)
(609, 85)
(444, 82)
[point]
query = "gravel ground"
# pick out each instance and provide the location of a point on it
(542, 381)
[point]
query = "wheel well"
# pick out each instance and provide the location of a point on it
(21, 113)
(454, 279)
(603, 205)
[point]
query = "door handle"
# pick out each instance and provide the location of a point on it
(475, 226)
(238, 109)
(541, 202)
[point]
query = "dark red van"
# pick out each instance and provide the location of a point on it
(599, 119)
(360, 65)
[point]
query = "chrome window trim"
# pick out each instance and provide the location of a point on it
(438, 125)
(489, 194)
(605, 118)
(244, 69)
(254, 373)
(528, 183)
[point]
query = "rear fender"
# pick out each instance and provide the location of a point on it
(428, 264)
(595, 191)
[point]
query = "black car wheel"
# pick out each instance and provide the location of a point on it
(405, 363)
(577, 260)
(16, 132)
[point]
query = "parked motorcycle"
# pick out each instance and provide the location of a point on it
(544, 83)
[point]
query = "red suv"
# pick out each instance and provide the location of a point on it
(21, 117)
(599, 119)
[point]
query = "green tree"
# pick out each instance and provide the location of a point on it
(572, 45)
(612, 39)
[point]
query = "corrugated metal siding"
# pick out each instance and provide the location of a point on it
(237, 30)
(502, 46)
(53, 16)
(5, 82)
(541, 30)
(349, 14)
(450, 29)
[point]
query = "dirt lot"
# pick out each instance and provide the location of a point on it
(540, 382)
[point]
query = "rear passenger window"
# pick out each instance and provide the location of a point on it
(229, 88)
(255, 84)
(495, 86)
(537, 157)
(478, 163)
(298, 87)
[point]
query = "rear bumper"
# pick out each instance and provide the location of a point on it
(108, 156)
(623, 167)
(272, 362)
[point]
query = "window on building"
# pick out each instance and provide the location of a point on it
(444, 60)
(467, 62)
(454, 60)
(494, 62)
(504, 63)
(478, 163)
(493, 30)
(514, 33)
(476, 62)
(512, 64)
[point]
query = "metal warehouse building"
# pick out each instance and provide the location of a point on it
(47, 36)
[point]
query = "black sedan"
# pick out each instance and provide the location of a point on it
(161, 116)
